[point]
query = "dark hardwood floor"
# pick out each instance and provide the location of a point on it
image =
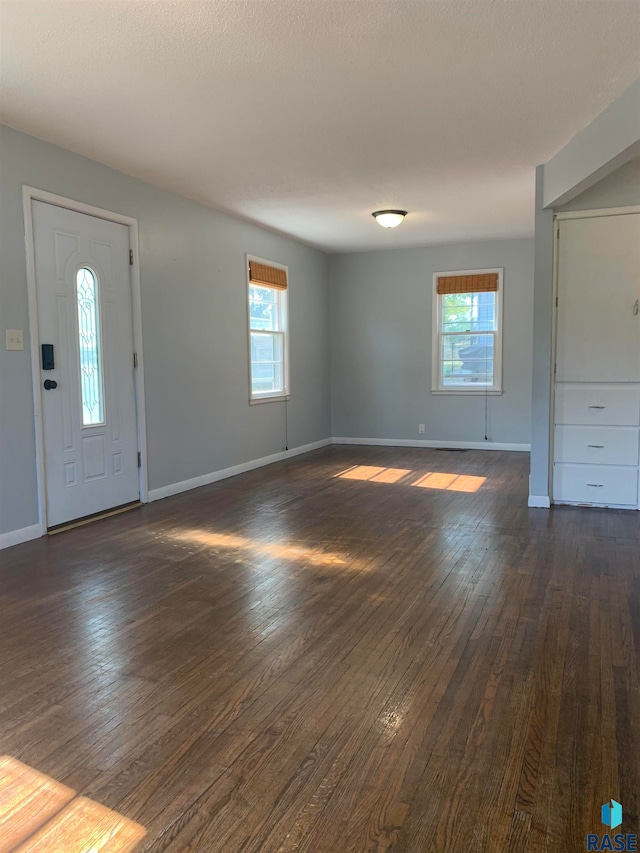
(290, 660)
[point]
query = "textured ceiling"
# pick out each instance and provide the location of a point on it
(306, 115)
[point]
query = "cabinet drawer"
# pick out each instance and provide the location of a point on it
(595, 484)
(593, 405)
(596, 445)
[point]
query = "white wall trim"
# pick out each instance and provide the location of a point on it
(600, 211)
(224, 473)
(454, 445)
(17, 537)
(627, 507)
(542, 501)
(30, 194)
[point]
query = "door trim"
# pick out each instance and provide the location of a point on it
(30, 194)
(598, 212)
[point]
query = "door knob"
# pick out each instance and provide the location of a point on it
(50, 384)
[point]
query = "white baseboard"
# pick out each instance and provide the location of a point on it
(214, 476)
(542, 501)
(17, 537)
(428, 442)
(597, 506)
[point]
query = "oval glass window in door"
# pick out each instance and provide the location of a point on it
(91, 384)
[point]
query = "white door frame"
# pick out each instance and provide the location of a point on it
(30, 194)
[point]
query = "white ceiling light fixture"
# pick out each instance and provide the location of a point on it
(389, 218)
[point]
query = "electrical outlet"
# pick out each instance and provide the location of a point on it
(14, 339)
(421, 429)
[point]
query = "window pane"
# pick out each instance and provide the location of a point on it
(90, 349)
(267, 364)
(265, 294)
(467, 359)
(469, 312)
(264, 308)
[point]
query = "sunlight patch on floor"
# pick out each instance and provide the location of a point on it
(374, 474)
(431, 480)
(40, 815)
(450, 482)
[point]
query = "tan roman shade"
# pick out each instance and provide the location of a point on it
(481, 283)
(265, 276)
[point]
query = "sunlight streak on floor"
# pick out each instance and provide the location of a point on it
(40, 815)
(450, 482)
(279, 550)
(431, 480)
(373, 474)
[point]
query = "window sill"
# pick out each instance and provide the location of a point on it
(463, 392)
(255, 401)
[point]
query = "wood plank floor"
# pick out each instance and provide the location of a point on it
(403, 658)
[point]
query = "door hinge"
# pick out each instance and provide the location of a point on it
(556, 301)
(139, 459)
(135, 356)
(555, 367)
(557, 234)
(130, 257)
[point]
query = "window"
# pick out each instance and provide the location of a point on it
(268, 331)
(91, 389)
(467, 332)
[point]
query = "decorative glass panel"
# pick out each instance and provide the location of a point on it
(91, 389)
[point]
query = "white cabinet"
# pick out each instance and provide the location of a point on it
(598, 336)
(605, 485)
(596, 445)
(597, 387)
(598, 405)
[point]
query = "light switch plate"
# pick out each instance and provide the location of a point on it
(14, 339)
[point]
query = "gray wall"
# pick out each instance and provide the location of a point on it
(193, 283)
(381, 305)
(619, 189)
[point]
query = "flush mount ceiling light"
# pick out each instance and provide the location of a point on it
(389, 218)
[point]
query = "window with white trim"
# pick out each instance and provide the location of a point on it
(268, 330)
(467, 332)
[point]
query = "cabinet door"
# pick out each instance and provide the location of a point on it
(598, 331)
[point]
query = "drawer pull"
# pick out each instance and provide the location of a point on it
(597, 407)
(595, 445)
(596, 485)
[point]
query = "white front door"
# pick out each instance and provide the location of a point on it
(88, 398)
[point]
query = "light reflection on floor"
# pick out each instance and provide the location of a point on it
(430, 480)
(279, 550)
